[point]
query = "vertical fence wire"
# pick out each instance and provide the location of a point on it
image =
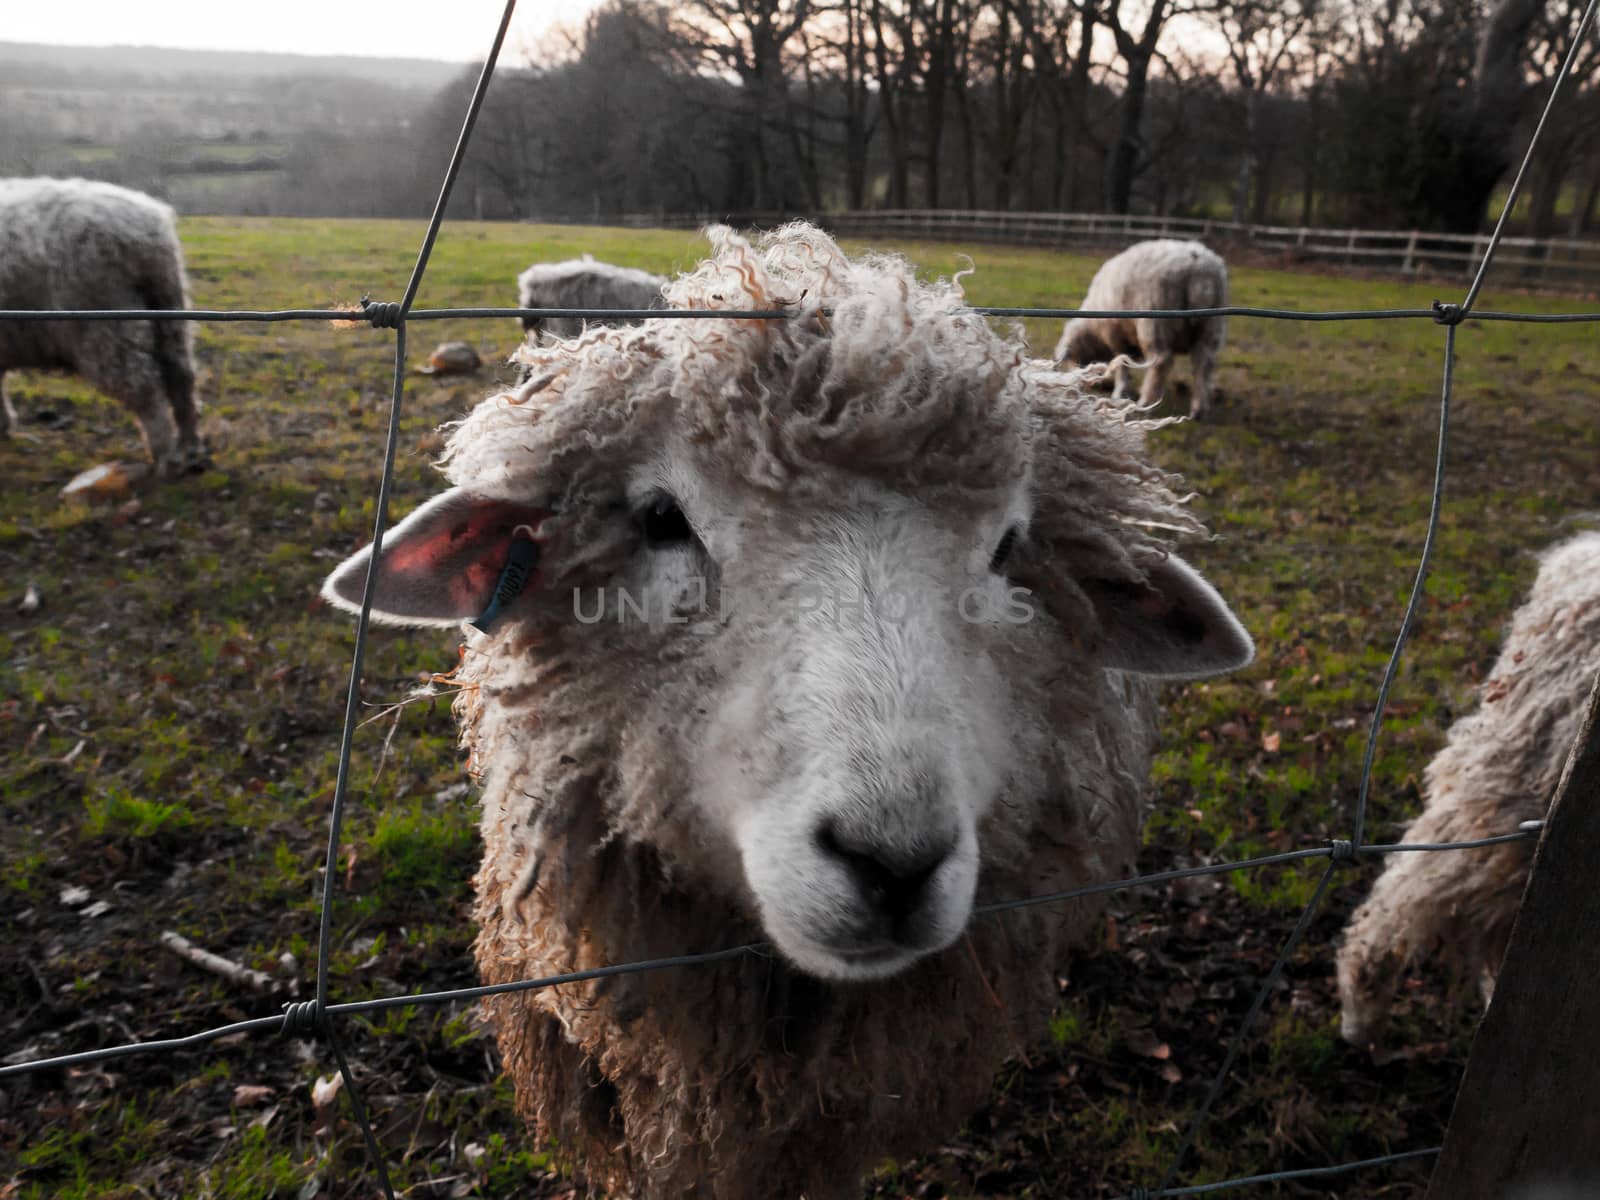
(395, 317)
(1451, 317)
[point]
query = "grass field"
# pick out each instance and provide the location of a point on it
(169, 718)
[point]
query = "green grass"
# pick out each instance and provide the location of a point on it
(169, 720)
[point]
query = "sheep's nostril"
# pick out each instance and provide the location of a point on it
(892, 880)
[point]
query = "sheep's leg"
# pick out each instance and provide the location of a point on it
(1121, 380)
(1205, 366)
(177, 373)
(1060, 352)
(152, 411)
(1486, 981)
(1155, 380)
(120, 360)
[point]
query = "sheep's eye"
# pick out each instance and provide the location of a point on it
(1002, 552)
(664, 524)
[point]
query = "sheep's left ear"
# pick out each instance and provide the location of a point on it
(1174, 626)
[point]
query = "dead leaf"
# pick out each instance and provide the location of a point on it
(1271, 741)
(247, 1094)
(326, 1090)
(1143, 1041)
(104, 483)
(1171, 1073)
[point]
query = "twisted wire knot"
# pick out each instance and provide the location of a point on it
(1447, 314)
(383, 314)
(302, 1019)
(1341, 850)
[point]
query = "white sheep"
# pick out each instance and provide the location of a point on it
(1163, 274)
(584, 283)
(79, 244)
(1499, 767)
(837, 626)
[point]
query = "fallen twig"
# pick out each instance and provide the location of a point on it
(257, 981)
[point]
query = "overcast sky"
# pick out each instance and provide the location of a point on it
(456, 30)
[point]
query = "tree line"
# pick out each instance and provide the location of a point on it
(1368, 113)
(1392, 113)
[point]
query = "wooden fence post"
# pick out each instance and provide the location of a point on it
(1528, 1109)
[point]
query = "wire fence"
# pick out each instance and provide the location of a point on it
(320, 1018)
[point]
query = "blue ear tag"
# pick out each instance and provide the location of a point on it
(520, 562)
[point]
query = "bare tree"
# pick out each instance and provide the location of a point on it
(1009, 42)
(1136, 48)
(1064, 64)
(753, 40)
(1573, 132)
(1264, 38)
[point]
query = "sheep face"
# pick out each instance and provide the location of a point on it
(861, 725)
(828, 602)
(1080, 345)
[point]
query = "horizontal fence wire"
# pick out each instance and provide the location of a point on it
(317, 1017)
(1442, 314)
(285, 1023)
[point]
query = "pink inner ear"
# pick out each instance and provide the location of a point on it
(466, 556)
(441, 564)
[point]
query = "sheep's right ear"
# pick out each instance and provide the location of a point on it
(1173, 626)
(440, 566)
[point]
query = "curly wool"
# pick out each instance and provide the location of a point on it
(1163, 274)
(747, 1078)
(79, 244)
(1499, 767)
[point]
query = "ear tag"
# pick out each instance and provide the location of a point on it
(521, 560)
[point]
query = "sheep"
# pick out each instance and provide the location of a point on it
(836, 626)
(1499, 767)
(1161, 274)
(583, 283)
(80, 244)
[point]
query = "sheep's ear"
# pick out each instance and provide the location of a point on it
(1175, 626)
(440, 566)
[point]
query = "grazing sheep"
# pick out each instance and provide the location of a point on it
(837, 626)
(1499, 767)
(77, 244)
(583, 283)
(1163, 274)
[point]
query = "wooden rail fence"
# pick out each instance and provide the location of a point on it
(1558, 262)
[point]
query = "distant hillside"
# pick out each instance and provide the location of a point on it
(234, 132)
(91, 66)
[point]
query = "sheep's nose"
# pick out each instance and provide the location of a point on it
(893, 881)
